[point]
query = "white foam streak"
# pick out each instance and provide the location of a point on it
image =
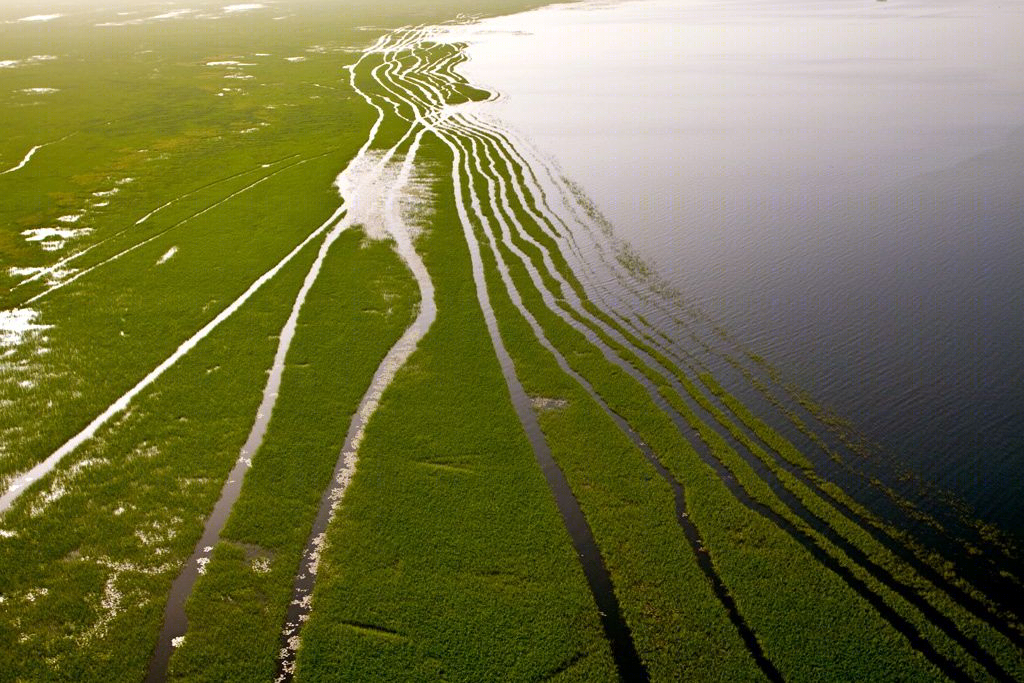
(40, 18)
(245, 7)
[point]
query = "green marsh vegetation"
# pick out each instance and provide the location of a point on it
(447, 557)
(355, 312)
(99, 548)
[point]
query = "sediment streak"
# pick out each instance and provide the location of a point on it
(24, 162)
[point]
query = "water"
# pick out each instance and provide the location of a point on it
(839, 184)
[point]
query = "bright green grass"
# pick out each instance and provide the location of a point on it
(361, 304)
(140, 103)
(448, 559)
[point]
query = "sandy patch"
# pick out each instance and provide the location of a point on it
(167, 255)
(544, 403)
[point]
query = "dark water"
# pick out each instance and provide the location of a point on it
(840, 185)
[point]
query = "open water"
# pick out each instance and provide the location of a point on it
(839, 184)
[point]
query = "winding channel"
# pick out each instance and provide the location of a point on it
(175, 624)
(31, 153)
(624, 651)
(24, 162)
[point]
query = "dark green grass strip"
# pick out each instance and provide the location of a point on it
(880, 574)
(361, 303)
(789, 497)
(671, 607)
(786, 527)
(447, 559)
(623, 648)
(599, 580)
(814, 510)
(962, 595)
(976, 572)
(786, 495)
(691, 534)
(765, 505)
(594, 569)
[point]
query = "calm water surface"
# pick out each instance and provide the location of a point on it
(838, 183)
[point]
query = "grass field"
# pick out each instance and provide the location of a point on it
(480, 463)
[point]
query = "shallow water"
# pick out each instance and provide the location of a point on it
(838, 184)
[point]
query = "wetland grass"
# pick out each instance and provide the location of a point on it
(358, 307)
(448, 559)
(730, 556)
(99, 545)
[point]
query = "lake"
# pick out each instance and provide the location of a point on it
(838, 184)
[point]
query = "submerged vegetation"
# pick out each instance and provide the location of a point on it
(480, 462)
